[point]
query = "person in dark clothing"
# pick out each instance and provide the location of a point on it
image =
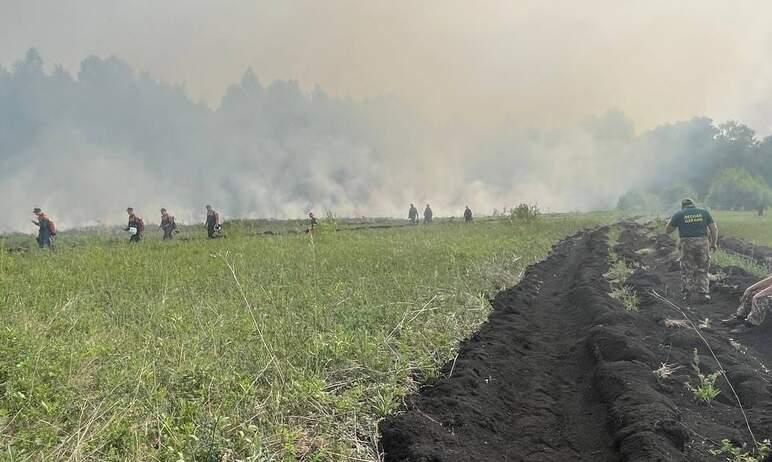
(428, 214)
(412, 215)
(312, 221)
(468, 215)
(46, 229)
(212, 222)
(168, 225)
(136, 227)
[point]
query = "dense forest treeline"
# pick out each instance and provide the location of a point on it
(725, 166)
(87, 145)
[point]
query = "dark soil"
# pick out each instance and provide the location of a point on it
(761, 255)
(562, 372)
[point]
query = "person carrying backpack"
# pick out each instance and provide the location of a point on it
(168, 225)
(136, 227)
(46, 229)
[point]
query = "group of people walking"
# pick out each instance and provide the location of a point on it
(697, 230)
(698, 238)
(135, 226)
(412, 215)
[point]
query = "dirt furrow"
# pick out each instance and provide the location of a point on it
(561, 371)
(521, 388)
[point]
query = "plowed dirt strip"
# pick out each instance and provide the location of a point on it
(562, 372)
(521, 389)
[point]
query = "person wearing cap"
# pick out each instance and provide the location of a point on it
(167, 225)
(698, 236)
(212, 222)
(136, 226)
(46, 229)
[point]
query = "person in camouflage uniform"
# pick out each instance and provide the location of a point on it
(698, 236)
(754, 304)
(468, 215)
(412, 214)
(212, 222)
(135, 222)
(168, 225)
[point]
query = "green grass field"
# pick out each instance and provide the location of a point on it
(746, 225)
(749, 227)
(251, 348)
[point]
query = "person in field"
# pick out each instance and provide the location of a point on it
(698, 235)
(168, 225)
(754, 304)
(136, 227)
(212, 222)
(468, 215)
(312, 222)
(412, 214)
(46, 229)
(428, 214)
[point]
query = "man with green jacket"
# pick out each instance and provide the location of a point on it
(698, 235)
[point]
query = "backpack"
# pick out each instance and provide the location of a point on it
(140, 225)
(51, 227)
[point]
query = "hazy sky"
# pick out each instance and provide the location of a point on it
(481, 64)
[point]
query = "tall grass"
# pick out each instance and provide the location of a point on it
(274, 348)
(746, 225)
(723, 258)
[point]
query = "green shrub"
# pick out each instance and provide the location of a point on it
(705, 390)
(735, 454)
(525, 212)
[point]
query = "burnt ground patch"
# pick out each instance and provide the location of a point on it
(561, 371)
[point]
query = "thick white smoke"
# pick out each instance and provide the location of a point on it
(84, 148)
